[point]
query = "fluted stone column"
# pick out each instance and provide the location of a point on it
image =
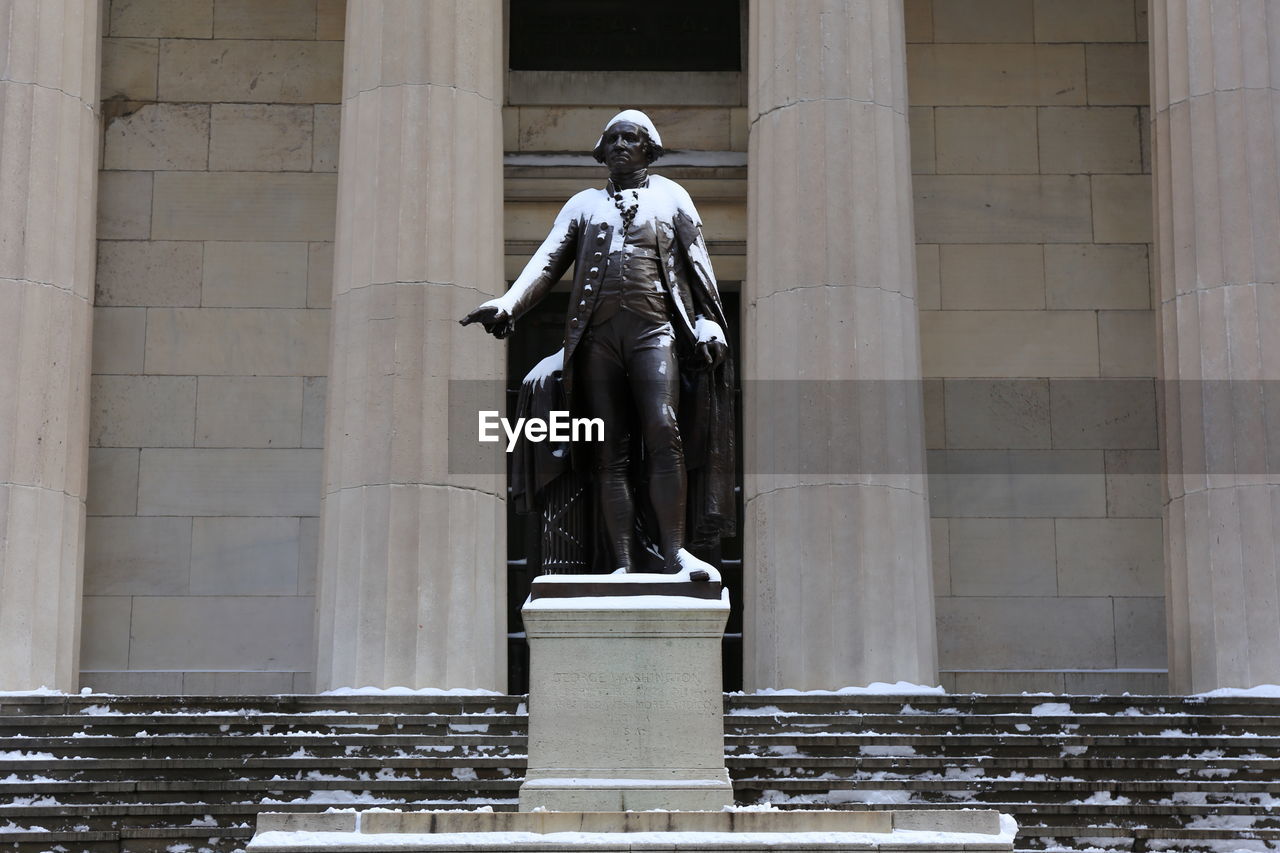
(412, 569)
(839, 589)
(49, 53)
(1216, 114)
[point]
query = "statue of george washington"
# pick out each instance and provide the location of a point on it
(645, 351)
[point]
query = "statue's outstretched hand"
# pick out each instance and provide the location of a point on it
(494, 318)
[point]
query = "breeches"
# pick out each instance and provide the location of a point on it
(629, 378)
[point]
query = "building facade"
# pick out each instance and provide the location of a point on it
(236, 235)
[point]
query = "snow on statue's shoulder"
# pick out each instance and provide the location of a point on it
(581, 202)
(674, 196)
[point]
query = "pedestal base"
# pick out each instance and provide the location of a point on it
(593, 794)
(625, 703)
(652, 832)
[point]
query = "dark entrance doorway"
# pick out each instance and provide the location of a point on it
(609, 35)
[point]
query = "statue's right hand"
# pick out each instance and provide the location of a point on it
(494, 318)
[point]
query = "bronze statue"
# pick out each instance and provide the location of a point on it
(644, 350)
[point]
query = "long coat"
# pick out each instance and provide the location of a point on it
(585, 232)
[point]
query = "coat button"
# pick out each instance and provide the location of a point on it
(599, 256)
(582, 304)
(573, 322)
(595, 270)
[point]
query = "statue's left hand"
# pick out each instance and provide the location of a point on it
(712, 353)
(494, 318)
(711, 349)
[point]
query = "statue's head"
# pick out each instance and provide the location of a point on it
(628, 129)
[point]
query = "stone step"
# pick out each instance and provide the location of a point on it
(497, 775)
(434, 765)
(834, 744)
(271, 751)
(430, 779)
(87, 769)
(1180, 763)
(824, 746)
(736, 719)
(242, 723)
(94, 746)
(182, 813)
(904, 705)
(1048, 757)
(1195, 843)
(240, 815)
(1039, 813)
(159, 789)
(1141, 832)
(1011, 789)
(1020, 740)
(1129, 845)
(1098, 776)
(1033, 802)
(234, 725)
(848, 727)
(1008, 783)
(909, 763)
(1060, 832)
(39, 840)
(167, 840)
(994, 703)
(1035, 809)
(101, 704)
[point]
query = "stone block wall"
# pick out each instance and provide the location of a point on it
(1033, 219)
(216, 223)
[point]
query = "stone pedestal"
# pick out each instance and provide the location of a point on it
(625, 700)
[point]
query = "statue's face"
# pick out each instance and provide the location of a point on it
(624, 148)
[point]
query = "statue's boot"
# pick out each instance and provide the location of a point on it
(667, 495)
(618, 510)
(698, 570)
